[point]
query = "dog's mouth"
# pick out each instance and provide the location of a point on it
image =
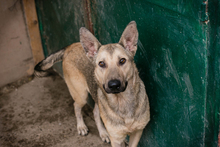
(115, 87)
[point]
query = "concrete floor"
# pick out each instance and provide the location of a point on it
(40, 113)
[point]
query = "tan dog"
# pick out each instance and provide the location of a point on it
(109, 74)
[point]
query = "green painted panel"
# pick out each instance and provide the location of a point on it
(213, 75)
(178, 59)
(173, 62)
(60, 21)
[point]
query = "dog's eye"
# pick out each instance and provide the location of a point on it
(122, 61)
(102, 64)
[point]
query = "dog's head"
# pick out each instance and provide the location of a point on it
(114, 65)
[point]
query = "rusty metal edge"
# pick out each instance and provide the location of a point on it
(88, 19)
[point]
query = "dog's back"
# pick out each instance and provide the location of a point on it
(78, 70)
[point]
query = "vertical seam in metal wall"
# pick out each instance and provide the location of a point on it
(39, 15)
(205, 23)
(88, 13)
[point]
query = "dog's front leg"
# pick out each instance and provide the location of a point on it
(116, 144)
(134, 138)
(117, 141)
(102, 131)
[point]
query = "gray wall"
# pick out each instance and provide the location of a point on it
(16, 59)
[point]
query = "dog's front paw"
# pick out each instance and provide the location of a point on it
(104, 136)
(82, 130)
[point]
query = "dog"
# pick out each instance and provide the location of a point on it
(109, 74)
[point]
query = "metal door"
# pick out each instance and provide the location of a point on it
(178, 58)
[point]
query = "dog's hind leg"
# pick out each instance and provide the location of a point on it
(80, 101)
(81, 127)
(79, 93)
(102, 131)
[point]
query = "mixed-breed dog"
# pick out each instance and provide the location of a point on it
(109, 74)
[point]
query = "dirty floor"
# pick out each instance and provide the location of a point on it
(39, 112)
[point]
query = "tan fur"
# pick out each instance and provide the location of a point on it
(125, 110)
(124, 113)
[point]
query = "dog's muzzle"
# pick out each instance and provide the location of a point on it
(115, 86)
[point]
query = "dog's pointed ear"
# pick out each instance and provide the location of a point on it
(129, 38)
(89, 42)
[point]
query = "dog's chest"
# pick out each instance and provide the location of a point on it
(131, 125)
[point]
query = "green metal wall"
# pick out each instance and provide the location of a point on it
(178, 58)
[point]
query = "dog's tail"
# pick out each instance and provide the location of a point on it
(41, 69)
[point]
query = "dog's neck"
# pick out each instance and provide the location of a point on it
(124, 103)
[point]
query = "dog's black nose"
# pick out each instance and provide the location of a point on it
(114, 85)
